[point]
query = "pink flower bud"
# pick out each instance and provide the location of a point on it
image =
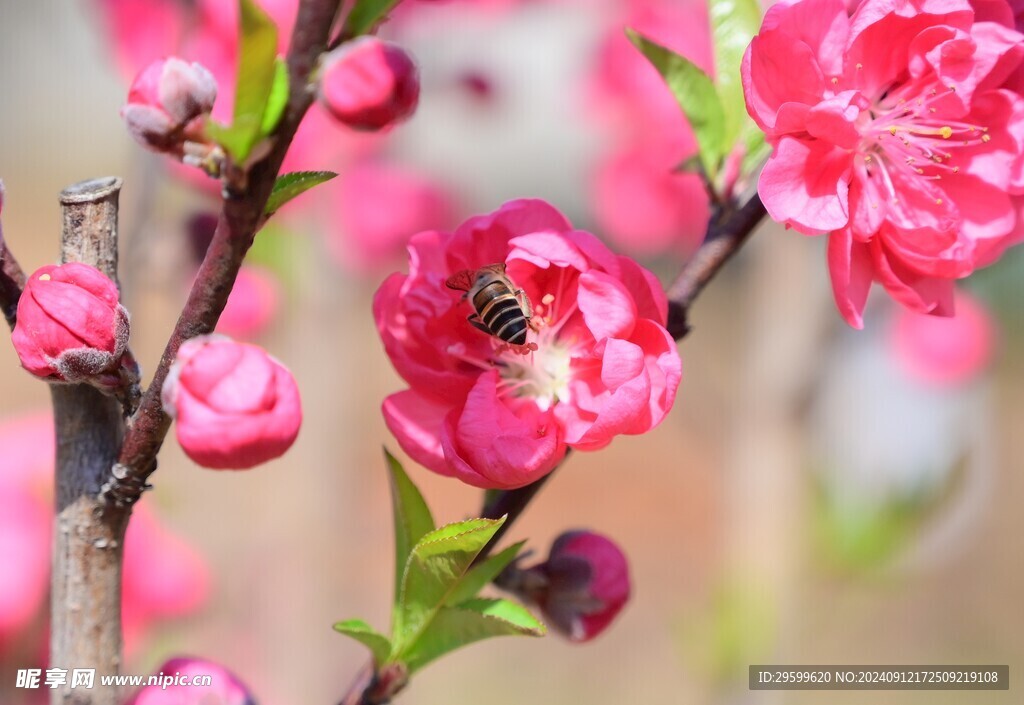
(235, 405)
(177, 688)
(581, 587)
(71, 327)
(369, 84)
(165, 102)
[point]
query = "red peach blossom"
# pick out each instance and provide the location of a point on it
(235, 406)
(501, 417)
(71, 327)
(890, 130)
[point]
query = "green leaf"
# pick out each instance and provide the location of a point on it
(696, 95)
(436, 565)
(257, 71)
(733, 24)
(412, 517)
(757, 150)
(278, 98)
(480, 575)
(288, 186)
(380, 645)
(366, 15)
(471, 621)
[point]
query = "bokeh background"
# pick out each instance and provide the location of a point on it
(818, 495)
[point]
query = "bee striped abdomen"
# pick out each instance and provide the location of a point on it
(501, 312)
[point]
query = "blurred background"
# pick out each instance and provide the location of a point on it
(818, 495)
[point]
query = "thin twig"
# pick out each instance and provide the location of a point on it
(12, 282)
(239, 220)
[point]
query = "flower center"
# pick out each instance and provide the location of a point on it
(906, 136)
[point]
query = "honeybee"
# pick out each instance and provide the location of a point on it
(501, 309)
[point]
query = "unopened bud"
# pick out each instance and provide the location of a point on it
(369, 84)
(580, 588)
(71, 327)
(167, 103)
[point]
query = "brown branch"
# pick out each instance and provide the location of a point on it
(239, 220)
(12, 280)
(724, 239)
(88, 542)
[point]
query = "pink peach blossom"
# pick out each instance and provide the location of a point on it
(497, 416)
(235, 406)
(27, 445)
(890, 130)
(252, 304)
(24, 559)
(71, 327)
(225, 687)
(945, 351)
(369, 84)
(167, 102)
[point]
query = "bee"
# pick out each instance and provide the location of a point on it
(500, 309)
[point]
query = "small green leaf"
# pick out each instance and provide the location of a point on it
(471, 621)
(695, 94)
(362, 632)
(436, 565)
(288, 186)
(411, 514)
(480, 575)
(257, 68)
(733, 24)
(757, 150)
(366, 15)
(278, 98)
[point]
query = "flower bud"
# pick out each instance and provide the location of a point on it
(581, 587)
(235, 405)
(166, 104)
(369, 84)
(175, 684)
(71, 327)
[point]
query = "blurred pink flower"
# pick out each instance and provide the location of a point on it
(645, 205)
(28, 448)
(141, 30)
(378, 206)
(252, 305)
(70, 324)
(235, 406)
(497, 416)
(945, 351)
(225, 687)
(639, 197)
(582, 586)
(24, 559)
(889, 130)
(164, 577)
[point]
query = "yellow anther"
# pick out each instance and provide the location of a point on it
(986, 138)
(946, 131)
(938, 201)
(892, 130)
(44, 277)
(835, 81)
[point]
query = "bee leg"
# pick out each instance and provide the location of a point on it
(474, 320)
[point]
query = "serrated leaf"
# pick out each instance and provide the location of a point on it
(480, 575)
(454, 627)
(696, 95)
(379, 645)
(288, 186)
(257, 67)
(365, 16)
(278, 98)
(733, 24)
(435, 566)
(411, 515)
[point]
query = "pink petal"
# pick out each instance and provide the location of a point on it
(805, 185)
(417, 422)
(608, 308)
(851, 272)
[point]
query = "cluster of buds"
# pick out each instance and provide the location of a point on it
(71, 327)
(167, 106)
(369, 84)
(580, 588)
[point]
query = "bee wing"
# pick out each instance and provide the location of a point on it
(461, 281)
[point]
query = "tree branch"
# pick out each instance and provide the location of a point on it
(88, 542)
(240, 218)
(12, 279)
